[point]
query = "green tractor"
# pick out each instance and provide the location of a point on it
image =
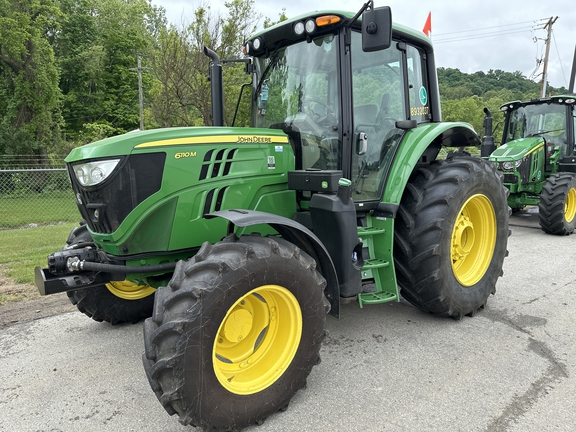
(538, 158)
(237, 242)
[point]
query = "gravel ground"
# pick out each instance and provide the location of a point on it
(29, 304)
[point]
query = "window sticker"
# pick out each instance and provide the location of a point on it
(423, 96)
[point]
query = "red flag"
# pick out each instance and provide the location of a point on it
(428, 26)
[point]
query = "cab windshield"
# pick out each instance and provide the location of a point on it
(297, 88)
(545, 120)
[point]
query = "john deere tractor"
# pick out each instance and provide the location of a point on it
(538, 157)
(237, 242)
(538, 160)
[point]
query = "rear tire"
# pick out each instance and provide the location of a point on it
(451, 234)
(132, 304)
(557, 206)
(236, 332)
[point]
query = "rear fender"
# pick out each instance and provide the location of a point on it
(297, 234)
(421, 145)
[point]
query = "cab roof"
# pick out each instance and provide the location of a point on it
(283, 31)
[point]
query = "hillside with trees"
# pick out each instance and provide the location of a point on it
(464, 96)
(68, 71)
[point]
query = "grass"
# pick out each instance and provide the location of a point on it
(23, 249)
(18, 211)
(474, 151)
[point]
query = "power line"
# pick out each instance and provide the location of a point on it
(506, 29)
(483, 35)
(559, 58)
(492, 27)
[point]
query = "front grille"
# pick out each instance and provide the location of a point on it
(525, 169)
(138, 177)
(510, 178)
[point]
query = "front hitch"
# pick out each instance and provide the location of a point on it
(47, 283)
(66, 261)
(63, 272)
(71, 269)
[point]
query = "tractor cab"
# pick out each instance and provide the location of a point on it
(552, 120)
(345, 101)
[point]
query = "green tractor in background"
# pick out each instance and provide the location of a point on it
(538, 157)
(237, 242)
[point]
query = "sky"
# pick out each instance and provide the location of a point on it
(468, 35)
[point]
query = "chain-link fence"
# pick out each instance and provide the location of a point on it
(35, 191)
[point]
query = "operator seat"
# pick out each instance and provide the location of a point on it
(386, 133)
(384, 118)
(365, 115)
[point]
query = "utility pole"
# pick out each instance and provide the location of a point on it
(140, 92)
(572, 75)
(548, 25)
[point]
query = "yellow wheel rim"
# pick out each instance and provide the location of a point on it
(570, 205)
(257, 340)
(473, 240)
(129, 290)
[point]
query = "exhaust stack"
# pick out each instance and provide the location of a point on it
(488, 145)
(215, 77)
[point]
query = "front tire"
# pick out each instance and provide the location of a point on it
(236, 332)
(557, 206)
(451, 235)
(115, 302)
(100, 304)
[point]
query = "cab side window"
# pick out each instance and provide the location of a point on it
(417, 85)
(574, 129)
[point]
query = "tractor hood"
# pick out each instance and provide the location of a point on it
(122, 145)
(148, 191)
(517, 149)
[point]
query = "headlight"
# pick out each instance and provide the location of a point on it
(93, 173)
(509, 165)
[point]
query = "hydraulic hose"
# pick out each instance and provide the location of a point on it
(112, 268)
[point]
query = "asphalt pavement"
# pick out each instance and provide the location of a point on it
(385, 367)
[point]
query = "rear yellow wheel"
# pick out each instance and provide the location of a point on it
(257, 340)
(557, 205)
(450, 236)
(473, 240)
(570, 206)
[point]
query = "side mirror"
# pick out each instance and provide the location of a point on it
(376, 29)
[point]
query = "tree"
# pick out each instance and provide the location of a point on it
(30, 117)
(181, 95)
(97, 52)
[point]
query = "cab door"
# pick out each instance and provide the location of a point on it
(387, 86)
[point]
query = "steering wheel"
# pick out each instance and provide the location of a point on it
(329, 113)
